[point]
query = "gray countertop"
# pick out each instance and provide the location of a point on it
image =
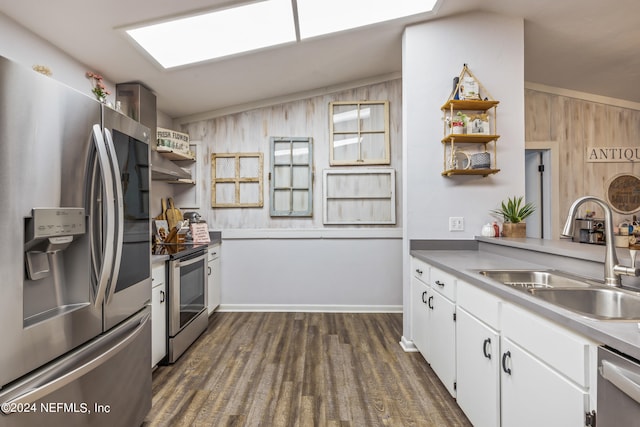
(216, 239)
(623, 336)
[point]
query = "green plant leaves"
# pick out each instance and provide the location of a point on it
(514, 211)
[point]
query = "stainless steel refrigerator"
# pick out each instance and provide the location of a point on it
(75, 280)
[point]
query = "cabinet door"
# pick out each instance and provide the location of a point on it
(442, 336)
(535, 395)
(478, 370)
(158, 323)
(213, 283)
(420, 295)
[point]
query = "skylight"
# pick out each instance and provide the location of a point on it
(319, 17)
(217, 34)
(261, 24)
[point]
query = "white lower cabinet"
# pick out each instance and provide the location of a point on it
(158, 314)
(442, 336)
(535, 395)
(505, 365)
(478, 370)
(547, 372)
(433, 319)
(213, 279)
(420, 295)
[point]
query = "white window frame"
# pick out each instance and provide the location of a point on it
(347, 201)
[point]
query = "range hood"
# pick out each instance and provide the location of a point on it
(163, 169)
(139, 102)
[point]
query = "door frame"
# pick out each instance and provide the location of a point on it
(554, 153)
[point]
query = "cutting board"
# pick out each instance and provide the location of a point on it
(163, 213)
(173, 214)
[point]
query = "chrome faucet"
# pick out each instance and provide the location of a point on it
(612, 271)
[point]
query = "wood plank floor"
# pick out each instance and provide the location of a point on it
(301, 369)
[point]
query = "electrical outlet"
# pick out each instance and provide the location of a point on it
(456, 223)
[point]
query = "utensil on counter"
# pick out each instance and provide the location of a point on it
(163, 213)
(173, 214)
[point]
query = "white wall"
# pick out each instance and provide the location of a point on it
(312, 274)
(433, 53)
(22, 46)
(280, 263)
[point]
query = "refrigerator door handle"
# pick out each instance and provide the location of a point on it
(107, 179)
(72, 369)
(119, 213)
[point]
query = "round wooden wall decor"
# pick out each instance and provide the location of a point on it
(623, 193)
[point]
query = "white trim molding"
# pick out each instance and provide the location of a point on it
(309, 308)
(312, 233)
(616, 102)
(408, 345)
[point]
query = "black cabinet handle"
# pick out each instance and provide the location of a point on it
(424, 296)
(486, 345)
(430, 303)
(506, 356)
(439, 283)
(419, 271)
(208, 271)
(162, 297)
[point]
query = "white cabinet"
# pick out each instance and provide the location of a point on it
(420, 294)
(478, 355)
(433, 319)
(213, 279)
(478, 374)
(534, 395)
(442, 336)
(545, 368)
(505, 365)
(158, 314)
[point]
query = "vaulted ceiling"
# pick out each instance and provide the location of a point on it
(584, 45)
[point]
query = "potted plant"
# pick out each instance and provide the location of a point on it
(513, 213)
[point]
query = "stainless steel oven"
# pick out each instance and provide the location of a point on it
(187, 300)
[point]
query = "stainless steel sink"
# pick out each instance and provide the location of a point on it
(586, 297)
(598, 303)
(534, 279)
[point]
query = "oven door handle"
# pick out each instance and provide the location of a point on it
(184, 263)
(627, 381)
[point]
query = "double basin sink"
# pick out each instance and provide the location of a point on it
(585, 297)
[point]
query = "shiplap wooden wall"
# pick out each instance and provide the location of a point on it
(574, 125)
(249, 131)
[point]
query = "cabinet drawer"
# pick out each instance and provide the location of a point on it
(420, 269)
(443, 283)
(555, 345)
(482, 304)
(157, 275)
(214, 252)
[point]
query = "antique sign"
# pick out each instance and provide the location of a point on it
(612, 154)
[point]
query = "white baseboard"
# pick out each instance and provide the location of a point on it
(310, 308)
(408, 345)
